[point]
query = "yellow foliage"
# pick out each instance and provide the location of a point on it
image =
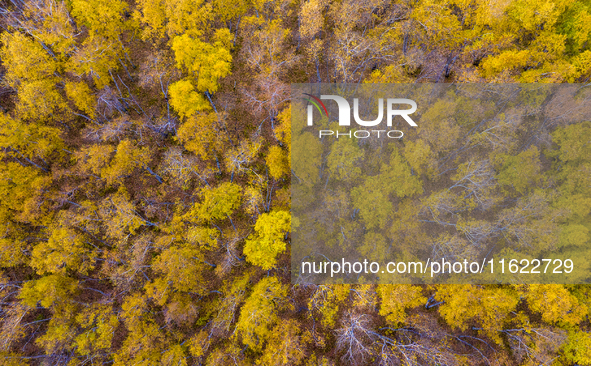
(217, 203)
(96, 57)
(230, 9)
(48, 291)
(81, 95)
(206, 62)
(263, 248)
(120, 216)
(260, 312)
(311, 17)
(277, 162)
(127, 158)
(180, 269)
(21, 188)
(420, 158)
(39, 99)
(189, 17)
(25, 60)
(185, 100)
(203, 135)
(555, 304)
(102, 17)
(488, 306)
(287, 345)
(94, 159)
(153, 13)
(64, 251)
(238, 158)
(99, 323)
(327, 300)
(396, 299)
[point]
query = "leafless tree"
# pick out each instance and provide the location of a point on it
(113, 130)
(12, 327)
(266, 96)
(231, 254)
(537, 344)
(530, 222)
(108, 102)
(452, 248)
(158, 70)
(477, 179)
(355, 339)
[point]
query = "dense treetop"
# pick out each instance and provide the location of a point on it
(145, 181)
